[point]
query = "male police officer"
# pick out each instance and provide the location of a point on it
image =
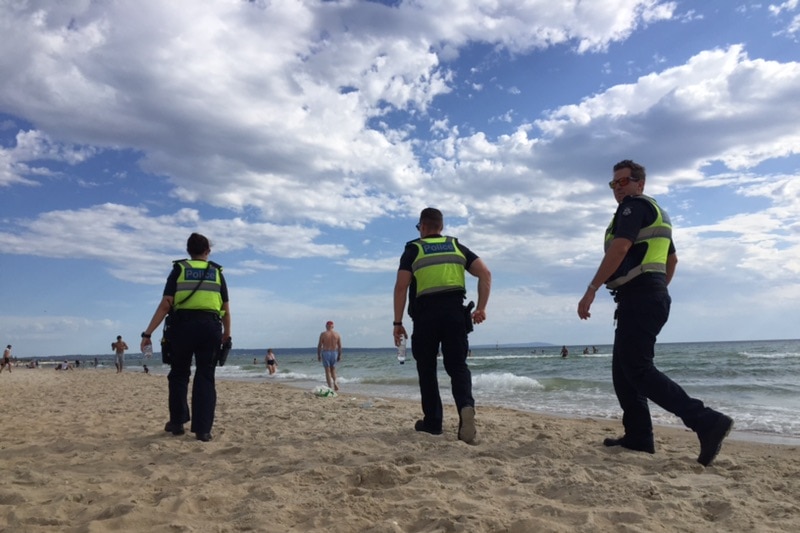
(638, 264)
(432, 271)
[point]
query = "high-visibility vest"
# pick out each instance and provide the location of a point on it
(439, 266)
(657, 237)
(208, 296)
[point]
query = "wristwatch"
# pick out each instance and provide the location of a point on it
(145, 335)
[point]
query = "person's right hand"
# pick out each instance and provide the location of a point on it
(399, 333)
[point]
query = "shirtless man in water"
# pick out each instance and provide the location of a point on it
(329, 351)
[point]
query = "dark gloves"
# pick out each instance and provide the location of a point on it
(468, 316)
(221, 354)
(166, 351)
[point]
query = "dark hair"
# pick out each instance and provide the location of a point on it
(197, 244)
(432, 217)
(119, 337)
(637, 170)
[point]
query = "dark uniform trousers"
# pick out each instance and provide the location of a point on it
(439, 320)
(198, 334)
(640, 317)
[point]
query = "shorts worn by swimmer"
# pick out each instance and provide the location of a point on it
(119, 359)
(329, 358)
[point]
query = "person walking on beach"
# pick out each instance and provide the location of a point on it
(6, 359)
(119, 348)
(431, 273)
(271, 362)
(329, 351)
(638, 264)
(196, 298)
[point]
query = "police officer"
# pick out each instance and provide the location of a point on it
(196, 297)
(638, 264)
(432, 273)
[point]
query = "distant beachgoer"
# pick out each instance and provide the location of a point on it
(119, 347)
(329, 351)
(564, 351)
(255, 360)
(271, 362)
(146, 370)
(95, 362)
(586, 351)
(6, 359)
(637, 266)
(594, 349)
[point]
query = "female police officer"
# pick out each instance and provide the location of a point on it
(196, 298)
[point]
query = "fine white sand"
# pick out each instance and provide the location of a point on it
(85, 451)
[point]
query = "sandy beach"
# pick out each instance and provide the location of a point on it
(85, 451)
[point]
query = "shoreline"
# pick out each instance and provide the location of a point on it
(306, 386)
(86, 451)
(746, 436)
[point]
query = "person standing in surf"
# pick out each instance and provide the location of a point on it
(329, 352)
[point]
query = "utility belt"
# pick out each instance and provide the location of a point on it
(641, 286)
(188, 315)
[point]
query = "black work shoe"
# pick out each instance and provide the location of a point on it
(205, 437)
(175, 429)
(711, 439)
(466, 425)
(420, 426)
(626, 443)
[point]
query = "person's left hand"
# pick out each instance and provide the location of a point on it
(585, 304)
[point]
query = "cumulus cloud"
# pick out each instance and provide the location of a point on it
(280, 127)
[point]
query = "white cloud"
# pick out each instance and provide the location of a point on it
(302, 131)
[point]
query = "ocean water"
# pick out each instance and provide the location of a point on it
(755, 382)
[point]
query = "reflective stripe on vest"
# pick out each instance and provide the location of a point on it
(208, 296)
(657, 237)
(439, 266)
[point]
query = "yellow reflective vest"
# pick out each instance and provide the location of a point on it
(439, 266)
(208, 296)
(656, 237)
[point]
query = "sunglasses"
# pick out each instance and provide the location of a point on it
(621, 182)
(419, 225)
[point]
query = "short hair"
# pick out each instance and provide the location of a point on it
(197, 244)
(119, 337)
(637, 170)
(432, 217)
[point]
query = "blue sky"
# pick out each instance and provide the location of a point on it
(304, 137)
